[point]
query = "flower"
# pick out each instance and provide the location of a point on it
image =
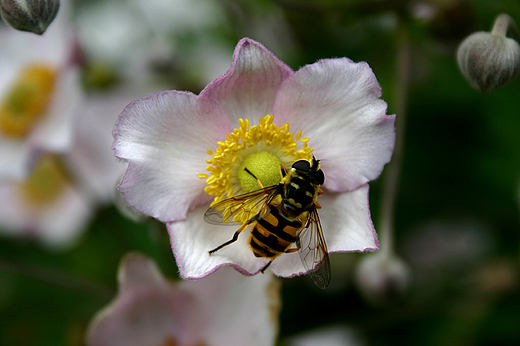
(169, 138)
(40, 93)
(225, 309)
(55, 201)
(46, 205)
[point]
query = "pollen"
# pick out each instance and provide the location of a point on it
(26, 101)
(261, 149)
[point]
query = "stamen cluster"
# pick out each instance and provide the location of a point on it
(244, 141)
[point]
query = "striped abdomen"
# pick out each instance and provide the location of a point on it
(273, 234)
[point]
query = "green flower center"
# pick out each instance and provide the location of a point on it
(262, 149)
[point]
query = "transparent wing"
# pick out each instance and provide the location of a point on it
(241, 208)
(313, 251)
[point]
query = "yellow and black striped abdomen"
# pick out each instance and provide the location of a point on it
(273, 234)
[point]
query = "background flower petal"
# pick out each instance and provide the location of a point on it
(146, 311)
(165, 138)
(336, 104)
(248, 89)
(236, 309)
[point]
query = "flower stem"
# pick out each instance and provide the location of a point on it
(393, 169)
(503, 23)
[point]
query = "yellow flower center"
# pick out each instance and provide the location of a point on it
(26, 101)
(46, 182)
(262, 149)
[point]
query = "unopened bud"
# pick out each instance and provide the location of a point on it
(382, 279)
(29, 15)
(490, 60)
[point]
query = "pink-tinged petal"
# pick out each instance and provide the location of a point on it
(237, 309)
(347, 227)
(249, 88)
(146, 311)
(192, 238)
(336, 104)
(165, 138)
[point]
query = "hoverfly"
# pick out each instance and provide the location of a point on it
(280, 216)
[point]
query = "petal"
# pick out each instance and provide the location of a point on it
(147, 311)
(336, 104)
(192, 238)
(135, 270)
(58, 225)
(63, 222)
(165, 138)
(91, 157)
(14, 159)
(237, 309)
(248, 89)
(55, 132)
(345, 219)
(347, 227)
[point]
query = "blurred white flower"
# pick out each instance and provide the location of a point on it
(46, 205)
(40, 93)
(225, 309)
(54, 203)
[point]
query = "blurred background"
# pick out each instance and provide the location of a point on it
(456, 220)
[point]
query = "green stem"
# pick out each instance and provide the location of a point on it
(393, 169)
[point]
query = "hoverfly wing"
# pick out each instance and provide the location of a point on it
(313, 251)
(250, 204)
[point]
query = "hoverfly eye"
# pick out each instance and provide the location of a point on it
(302, 165)
(320, 177)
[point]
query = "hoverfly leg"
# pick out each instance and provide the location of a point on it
(266, 266)
(254, 176)
(234, 239)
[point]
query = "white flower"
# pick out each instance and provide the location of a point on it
(40, 93)
(225, 309)
(170, 137)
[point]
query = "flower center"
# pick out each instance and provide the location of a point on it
(261, 149)
(46, 182)
(26, 101)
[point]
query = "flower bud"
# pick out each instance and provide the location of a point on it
(489, 60)
(382, 280)
(29, 15)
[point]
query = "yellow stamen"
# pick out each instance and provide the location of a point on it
(26, 101)
(46, 182)
(241, 150)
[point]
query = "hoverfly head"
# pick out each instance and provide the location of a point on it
(313, 170)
